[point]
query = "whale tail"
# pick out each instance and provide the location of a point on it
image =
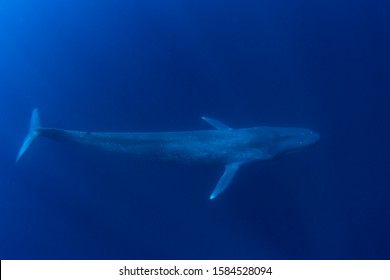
(33, 133)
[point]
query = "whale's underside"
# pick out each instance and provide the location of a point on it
(231, 147)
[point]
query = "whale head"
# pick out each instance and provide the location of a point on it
(294, 139)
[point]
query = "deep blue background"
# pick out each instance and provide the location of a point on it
(161, 65)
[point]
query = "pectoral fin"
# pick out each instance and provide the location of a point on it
(215, 123)
(225, 180)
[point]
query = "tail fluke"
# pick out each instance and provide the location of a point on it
(33, 133)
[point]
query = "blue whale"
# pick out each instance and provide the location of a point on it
(224, 145)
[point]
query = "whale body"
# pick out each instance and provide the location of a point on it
(224, 145)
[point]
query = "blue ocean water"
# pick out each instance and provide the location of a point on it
(161, 65)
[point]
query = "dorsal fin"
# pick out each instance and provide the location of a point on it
(215, 123)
